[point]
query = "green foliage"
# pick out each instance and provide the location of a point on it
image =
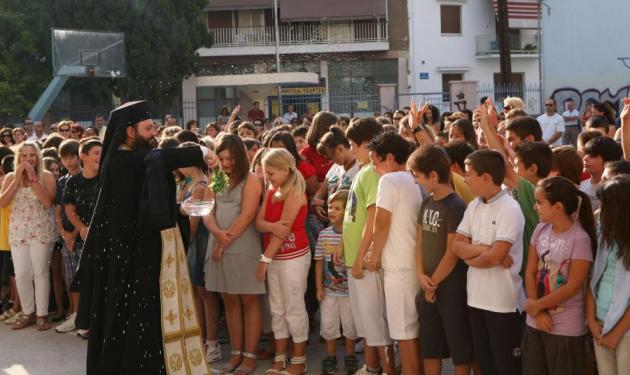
(25, 64)
(162, 37)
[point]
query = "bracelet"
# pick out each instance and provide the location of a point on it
(264, 259)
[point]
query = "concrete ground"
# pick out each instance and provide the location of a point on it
(29, 352)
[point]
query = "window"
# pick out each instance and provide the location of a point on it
(450, 16)
(446, 79)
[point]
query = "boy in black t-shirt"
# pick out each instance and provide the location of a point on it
(444, 327)
(79, 198)
(69, 153)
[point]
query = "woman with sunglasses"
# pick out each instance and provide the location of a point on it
(63, 128)
(6, 137)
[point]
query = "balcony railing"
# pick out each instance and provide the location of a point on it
(519, 44)
(301, 34)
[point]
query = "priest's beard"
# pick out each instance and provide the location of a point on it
(142, 144)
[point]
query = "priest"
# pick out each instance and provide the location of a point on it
(136, 295)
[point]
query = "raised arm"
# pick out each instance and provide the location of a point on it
(497, 143)
(625, 129)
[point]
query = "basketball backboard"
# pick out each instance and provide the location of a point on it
(88, 54)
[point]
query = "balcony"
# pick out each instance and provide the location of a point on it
(520, 46)
(307, 37)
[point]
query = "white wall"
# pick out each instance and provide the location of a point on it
(433, 53)
(581, 43)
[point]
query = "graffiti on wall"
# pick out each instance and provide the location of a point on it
(590, 95)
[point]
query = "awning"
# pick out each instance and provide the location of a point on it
(258, 79)
(214, 5)
(294, 10)
(522, 14)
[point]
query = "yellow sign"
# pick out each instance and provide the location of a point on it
(300, 91)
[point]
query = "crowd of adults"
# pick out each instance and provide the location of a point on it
(491, 237)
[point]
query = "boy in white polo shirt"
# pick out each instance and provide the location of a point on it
(394, 243)
(490, 240)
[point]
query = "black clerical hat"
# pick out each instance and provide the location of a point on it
(122, 117)
(129, 114)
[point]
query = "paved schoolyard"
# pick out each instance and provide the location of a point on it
(29, 352)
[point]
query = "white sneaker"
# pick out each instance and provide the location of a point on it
(214, 355)
(67, 325)
(83, 333)
(12, 319)
(365, 371)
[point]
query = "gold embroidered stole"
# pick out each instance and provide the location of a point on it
(181, 334)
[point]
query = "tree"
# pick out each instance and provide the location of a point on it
(162, 37)
(25, 64)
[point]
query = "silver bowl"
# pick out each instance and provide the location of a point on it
(197, 208)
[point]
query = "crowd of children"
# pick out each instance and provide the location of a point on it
(488, 246)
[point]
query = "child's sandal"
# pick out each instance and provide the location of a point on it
(278, 358)
(23, 321)
(246, 370)
(228, 368)
(42, 323)
(7, 315)
(297, 361)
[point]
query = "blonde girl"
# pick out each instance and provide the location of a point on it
(286, 257)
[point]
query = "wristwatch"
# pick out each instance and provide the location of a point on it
(417, 129)
(264, 259)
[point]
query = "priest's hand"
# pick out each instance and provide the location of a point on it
(261, 272)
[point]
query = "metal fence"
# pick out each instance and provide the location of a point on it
(301, 33)
(530, 93)
(206, 110)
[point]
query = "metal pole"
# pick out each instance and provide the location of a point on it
(277, 32)
(540, 56)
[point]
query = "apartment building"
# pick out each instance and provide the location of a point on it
(454, 40)
(346, 56)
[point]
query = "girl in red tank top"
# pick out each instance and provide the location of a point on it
(286, 257)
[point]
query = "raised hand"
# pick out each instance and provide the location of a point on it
(625, 112)
(32, 176)
(493, 119)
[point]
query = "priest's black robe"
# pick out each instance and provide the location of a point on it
(120, 268)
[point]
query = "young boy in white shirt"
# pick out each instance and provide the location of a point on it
(490, 240)
(394, 243)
